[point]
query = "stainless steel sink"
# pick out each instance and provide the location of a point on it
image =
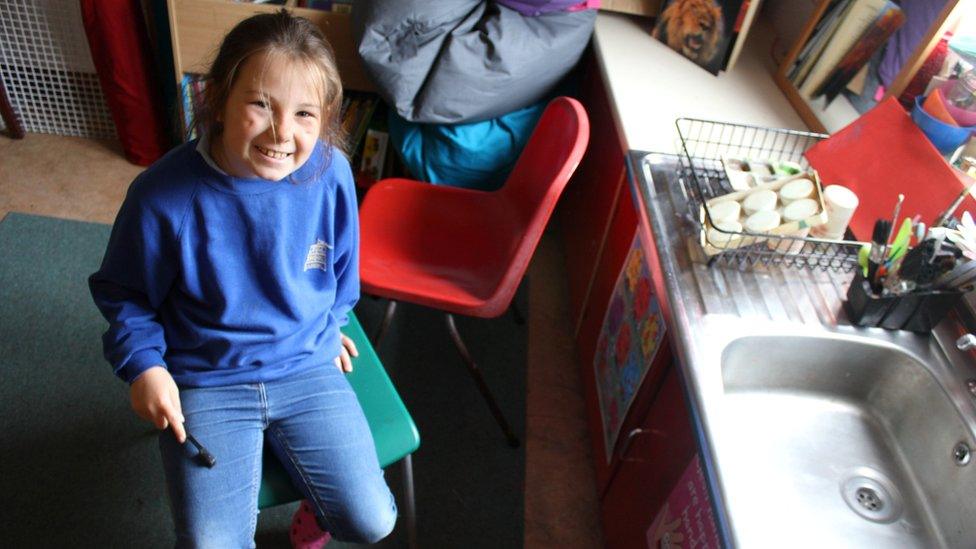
(813, 433)
(841, 441)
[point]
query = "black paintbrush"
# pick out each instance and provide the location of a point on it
(203, 455)
(879, 239)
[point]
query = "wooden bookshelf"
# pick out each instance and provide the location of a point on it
(198, 26)
(811, 114)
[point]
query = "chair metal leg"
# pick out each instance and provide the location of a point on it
(410, 508)
(10, 119)
(513, 441)
(387, 319)
(519, 317)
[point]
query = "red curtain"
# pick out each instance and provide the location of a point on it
(120, 48)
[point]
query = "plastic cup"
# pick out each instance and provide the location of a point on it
(962, 117)
(840, 203)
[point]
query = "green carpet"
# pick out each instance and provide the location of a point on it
(80, 469)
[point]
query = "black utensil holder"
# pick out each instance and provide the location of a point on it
(916, 312)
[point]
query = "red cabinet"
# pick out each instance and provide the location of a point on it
(599, 223)
(589, 200)
(615, 253)
(654, 456)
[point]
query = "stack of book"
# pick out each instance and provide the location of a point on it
(192, 92)
(711, 33)
(367, 138)
(843, 41)
(357, 111)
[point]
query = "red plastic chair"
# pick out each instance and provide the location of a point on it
(465, 251)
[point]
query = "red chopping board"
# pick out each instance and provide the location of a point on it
(881, 154)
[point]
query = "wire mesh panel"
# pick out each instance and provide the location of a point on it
(47, 69)
(704, 145)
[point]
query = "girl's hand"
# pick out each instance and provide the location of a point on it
(343, 362)
(156, 399)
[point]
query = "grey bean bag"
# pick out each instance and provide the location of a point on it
(451, 61)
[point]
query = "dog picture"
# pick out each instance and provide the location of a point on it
(693, 28)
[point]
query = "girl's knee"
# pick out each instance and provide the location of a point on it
(369, 524)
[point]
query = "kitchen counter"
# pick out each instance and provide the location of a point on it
(651, 85)
(712, 311)
(694, 293)
(709, 309)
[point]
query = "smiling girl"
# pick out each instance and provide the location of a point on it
(231, 267)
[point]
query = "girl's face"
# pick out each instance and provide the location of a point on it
(272, 118)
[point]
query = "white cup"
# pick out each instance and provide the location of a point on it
(840, 203)
(718, 238)
(762, 221)
(724, 211)
(761, 200)
(741, 181)
(797, 189)
(800, 210)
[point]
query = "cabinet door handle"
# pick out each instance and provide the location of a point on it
(634, 433)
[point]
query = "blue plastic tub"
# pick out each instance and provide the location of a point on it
(945, 137)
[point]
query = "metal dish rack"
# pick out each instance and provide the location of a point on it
(703, 144)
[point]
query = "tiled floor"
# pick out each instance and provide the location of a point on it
(86, 179)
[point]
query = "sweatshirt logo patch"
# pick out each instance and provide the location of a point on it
(316, 255)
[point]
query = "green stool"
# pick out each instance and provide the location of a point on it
(394, 431)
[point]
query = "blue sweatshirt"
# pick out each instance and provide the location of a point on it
(225, 280)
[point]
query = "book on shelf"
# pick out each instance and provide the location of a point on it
(705, 31)
(371, 159)
(856, 85)
(855, 21)
(357, 111)
(192, 88)
(814, 45)
(373, 162)
(884, 25)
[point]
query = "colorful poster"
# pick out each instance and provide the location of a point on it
(686, 520)
(633, 329)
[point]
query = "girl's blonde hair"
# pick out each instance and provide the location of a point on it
(282, 33)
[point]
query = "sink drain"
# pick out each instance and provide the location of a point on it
(869, 499)
(870, 494)
(962, 454)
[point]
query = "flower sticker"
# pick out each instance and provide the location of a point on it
(630, 376)
(623, 343)
(634, 263)
(642, 297)
(649, 333)
(616, 314)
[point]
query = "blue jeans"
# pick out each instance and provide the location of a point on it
(316, 428)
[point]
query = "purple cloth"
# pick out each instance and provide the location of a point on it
(919, 16)
(539, 7)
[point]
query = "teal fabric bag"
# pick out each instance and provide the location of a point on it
(477, 155)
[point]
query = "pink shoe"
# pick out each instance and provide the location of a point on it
(305, 532)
